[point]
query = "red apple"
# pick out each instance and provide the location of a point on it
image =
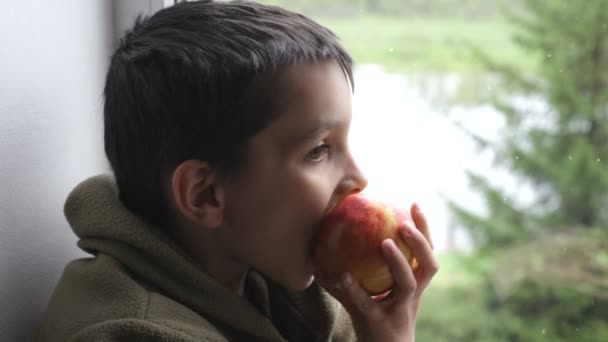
(350, 240)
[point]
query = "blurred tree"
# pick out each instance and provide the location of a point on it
(561, 148)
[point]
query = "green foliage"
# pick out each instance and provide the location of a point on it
(555, 285)
(548, 279)
(423, 44)
(540, 272)
(497, 231)
(549, 289)
(414, 39)
(561, 148)
(571, 259)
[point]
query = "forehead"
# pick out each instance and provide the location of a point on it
(309, 97)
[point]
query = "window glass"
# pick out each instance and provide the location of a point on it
(493, 116)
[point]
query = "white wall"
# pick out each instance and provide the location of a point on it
(125, 11)
(53, 58)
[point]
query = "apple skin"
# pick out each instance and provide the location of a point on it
(350, 239)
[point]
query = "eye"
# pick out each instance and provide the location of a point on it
(318, 153)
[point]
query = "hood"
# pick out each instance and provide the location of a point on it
(104, 225)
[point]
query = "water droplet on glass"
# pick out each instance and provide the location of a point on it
(576, 329)
(570, 156)
(391, 50)
(548, 55)
(561, 70)
(516, 157)
(544, 332)
(598, 160)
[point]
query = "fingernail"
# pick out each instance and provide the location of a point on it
(417, 208)
(347, 279)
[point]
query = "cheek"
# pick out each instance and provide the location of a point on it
(280, 200)
(297, 190)
(289, 214)
(291, 209)
(309, 193)
(312, 201)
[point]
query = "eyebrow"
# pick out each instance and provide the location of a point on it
(323, 126)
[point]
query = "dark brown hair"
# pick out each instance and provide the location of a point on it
(194, 81)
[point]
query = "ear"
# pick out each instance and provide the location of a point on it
(197, 194)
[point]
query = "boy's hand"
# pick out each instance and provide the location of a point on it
(393, 318)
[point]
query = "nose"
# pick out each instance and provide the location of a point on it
(354, 180)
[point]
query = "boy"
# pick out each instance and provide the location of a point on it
(226, 126)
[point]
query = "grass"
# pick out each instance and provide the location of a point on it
(427, 44)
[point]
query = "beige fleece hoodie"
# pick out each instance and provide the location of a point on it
(139, 286)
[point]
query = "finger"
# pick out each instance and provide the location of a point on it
(405, 281)
(421, 250)
(425, 275)
(421, 222)
(356, 300)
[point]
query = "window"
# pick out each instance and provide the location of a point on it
(493, 116)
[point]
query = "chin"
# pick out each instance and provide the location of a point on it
(298, 277)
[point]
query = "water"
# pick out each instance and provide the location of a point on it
(411, 150)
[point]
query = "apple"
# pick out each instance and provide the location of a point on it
(350, 239)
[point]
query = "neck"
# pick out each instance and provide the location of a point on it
(209, 253)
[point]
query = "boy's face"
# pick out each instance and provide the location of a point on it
(296, 170)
